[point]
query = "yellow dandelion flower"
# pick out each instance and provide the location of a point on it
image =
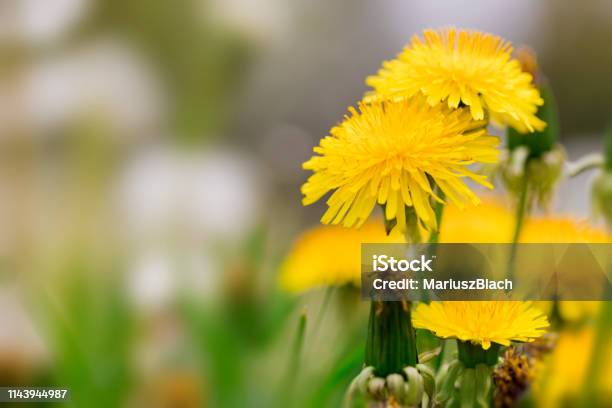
(483, 322)
(562, 229)
(463, 67)
(566, 369)
(493, 222)
(387, 153)
(330, 256)
(489, 222)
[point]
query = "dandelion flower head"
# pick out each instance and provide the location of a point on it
(463, 67)
(392, 154)
(330, 256)
(482, 322)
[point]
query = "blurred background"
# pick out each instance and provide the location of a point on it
(150, 164)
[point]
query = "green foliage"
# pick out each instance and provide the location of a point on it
(89, 323)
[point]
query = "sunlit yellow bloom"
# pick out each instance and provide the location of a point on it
(566, 369)
(489, 222)
(558, 229)
(330, 255)
(493, 222)
(483, 322)
(562, 229)
(463, 66)
(386, 152)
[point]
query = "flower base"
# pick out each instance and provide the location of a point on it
(473, 354)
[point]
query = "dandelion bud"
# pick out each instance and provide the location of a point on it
(529, 62)
(544, 173)
(542, 165)
(541, 173)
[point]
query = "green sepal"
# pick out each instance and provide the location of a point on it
(473, 354)
(397, 386)
(414, 386)
(539, 143)
(361, 381)
(389, 224)
(391, 343)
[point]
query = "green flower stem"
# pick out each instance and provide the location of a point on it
(323, 310)
(521, 212)
(391, 341)
(584, 164)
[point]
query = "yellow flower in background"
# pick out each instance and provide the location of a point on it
(482, 322)
(463, 67)
(488, 222)
(386, 153)
(330, 256)
(565, 370)
(493, 222)
(562, 229)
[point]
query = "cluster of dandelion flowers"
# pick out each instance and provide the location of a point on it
(463, 67)
(389, 153)
(330, 256)
(482, 322)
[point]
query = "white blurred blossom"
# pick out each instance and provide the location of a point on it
(213, 195)
(104, 78)
(151, 281)
(159, 274)
(224, 194)
(39, 21)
